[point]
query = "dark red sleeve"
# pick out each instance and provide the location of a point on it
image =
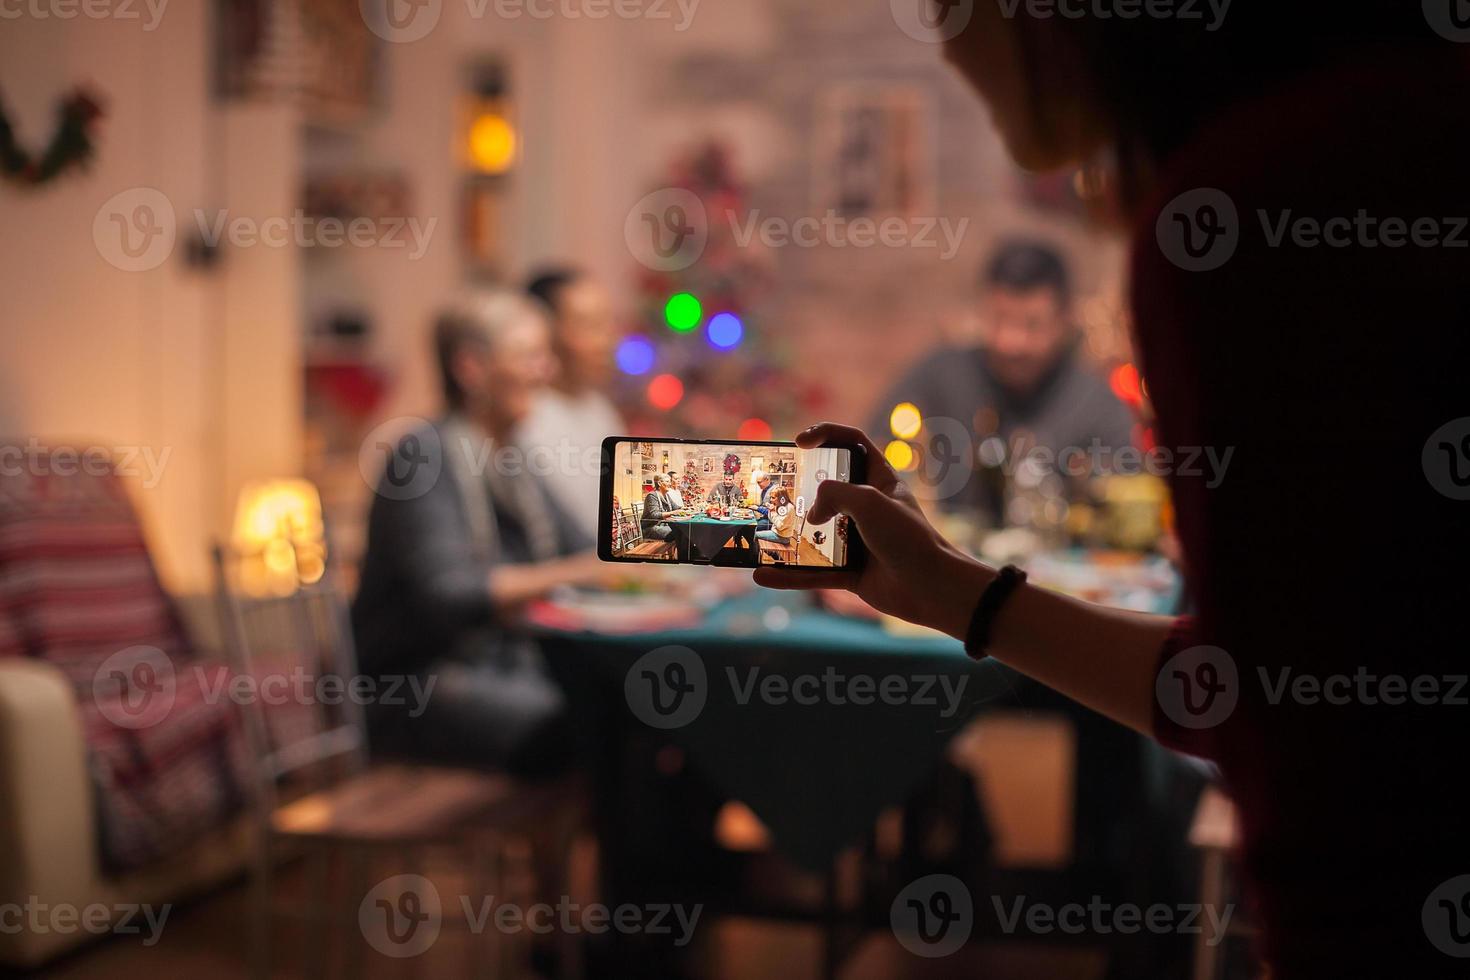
(1192, 741)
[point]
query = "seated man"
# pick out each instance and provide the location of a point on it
(656, 508)
(457, 544)
(727, 494)
(1028, 380)
(763, 484)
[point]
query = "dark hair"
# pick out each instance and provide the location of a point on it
(1157, 79)
(1021, 266)
(547, 283)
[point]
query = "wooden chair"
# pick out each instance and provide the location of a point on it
(632, 533)
(315, 793)
(636, 545)
(785, 554)
(653, 549)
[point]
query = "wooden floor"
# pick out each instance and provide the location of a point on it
(807, 554)
(208, 939)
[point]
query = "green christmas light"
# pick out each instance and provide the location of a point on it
(683, 312)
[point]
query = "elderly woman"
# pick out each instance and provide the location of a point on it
(460, 536)
(657, 504)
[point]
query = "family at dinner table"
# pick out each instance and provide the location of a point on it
(771, 506)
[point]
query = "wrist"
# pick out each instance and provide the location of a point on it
(964, 581)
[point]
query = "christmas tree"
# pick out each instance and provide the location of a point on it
(699, 362)
(690, 486)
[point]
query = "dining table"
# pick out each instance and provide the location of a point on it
(817, 722)
(700, 537)
(794, 720)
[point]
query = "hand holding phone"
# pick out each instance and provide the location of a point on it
(910, 570)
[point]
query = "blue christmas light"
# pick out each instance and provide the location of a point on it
(635, 356)
(725, 330)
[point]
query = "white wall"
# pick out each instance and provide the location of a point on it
(575, 85)
(199, 366)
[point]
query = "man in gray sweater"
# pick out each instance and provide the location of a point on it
(1027, 384)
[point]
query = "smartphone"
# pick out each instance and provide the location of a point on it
(728, 502)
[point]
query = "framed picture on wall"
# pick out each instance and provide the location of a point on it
(320, 55)
(874, 154)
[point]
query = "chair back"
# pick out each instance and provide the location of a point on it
(632, 527)
(305, 716)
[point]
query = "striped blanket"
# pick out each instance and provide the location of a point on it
(77, 588)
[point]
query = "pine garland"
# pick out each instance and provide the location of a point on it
(71, 145)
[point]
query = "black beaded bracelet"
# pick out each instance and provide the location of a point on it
(977, 637)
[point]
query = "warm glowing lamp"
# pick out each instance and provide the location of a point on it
(492, 143)
(487, 132)
(279, 536)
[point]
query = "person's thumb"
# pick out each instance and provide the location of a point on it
(857, 501)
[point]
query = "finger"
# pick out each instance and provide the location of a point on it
(791, 578)
(880, 474)
(858, 501)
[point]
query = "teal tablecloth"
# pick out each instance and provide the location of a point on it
(818, 773)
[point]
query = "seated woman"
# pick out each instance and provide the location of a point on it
(675, 496)
(657, 505)
(460, 537)
(783, 518)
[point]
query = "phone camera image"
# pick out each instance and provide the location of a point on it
(735, 504)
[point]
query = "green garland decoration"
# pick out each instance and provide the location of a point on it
(71, 145)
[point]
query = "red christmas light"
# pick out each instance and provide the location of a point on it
(1126, 384)
(665, 391)
(755, 430)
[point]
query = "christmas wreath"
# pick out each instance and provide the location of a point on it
(732, 464)
(71, 145)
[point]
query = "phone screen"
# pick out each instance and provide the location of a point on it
(721, 503)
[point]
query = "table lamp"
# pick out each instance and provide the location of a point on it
(279, 537)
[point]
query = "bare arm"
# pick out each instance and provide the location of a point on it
(512, 586)
(1104, 658)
